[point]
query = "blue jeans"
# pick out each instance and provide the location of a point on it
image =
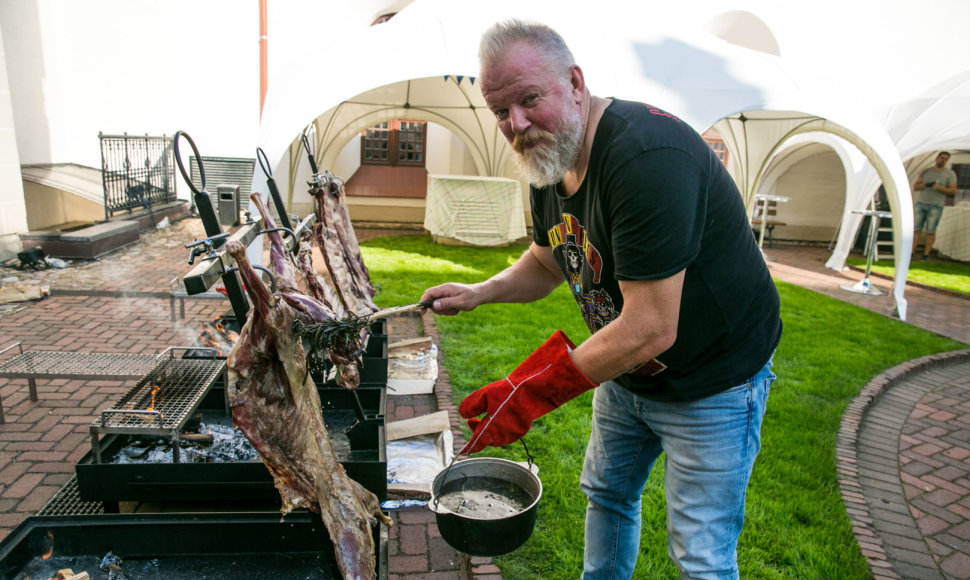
(928, 215)
(710, 448)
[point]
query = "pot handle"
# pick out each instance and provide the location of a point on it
(527, 454)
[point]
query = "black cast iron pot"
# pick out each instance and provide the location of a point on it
(485, 531)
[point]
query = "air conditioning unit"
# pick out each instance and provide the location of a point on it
(227, 204)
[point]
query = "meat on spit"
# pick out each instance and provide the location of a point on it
(341, 252)
(337, 204)
(276, 405)
(344, 351)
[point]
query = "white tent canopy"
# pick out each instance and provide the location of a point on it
(937, 120)
(757, 101)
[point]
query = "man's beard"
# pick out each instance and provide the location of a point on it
(554, 153)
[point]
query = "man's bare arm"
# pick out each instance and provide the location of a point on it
(533, 276)
(644, 330)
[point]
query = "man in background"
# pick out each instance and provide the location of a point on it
(934, 184)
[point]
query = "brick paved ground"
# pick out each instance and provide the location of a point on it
(416, 548)
(116, 305)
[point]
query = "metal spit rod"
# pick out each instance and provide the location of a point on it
(203, 275)
(273, 191)
(212, 227)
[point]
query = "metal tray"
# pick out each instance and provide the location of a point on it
(215, 546)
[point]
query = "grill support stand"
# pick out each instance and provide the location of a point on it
(32, 365)
(230, 279)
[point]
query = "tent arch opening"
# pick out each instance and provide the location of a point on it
(754, 137)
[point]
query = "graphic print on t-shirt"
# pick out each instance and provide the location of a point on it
(602, 311)
(580, 261)
(582, 264)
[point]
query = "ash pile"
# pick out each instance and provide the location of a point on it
(216, 441)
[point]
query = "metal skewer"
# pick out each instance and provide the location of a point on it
(385, 312)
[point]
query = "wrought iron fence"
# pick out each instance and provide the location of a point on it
(137, 171)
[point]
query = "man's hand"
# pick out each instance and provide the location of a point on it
(533, 276)
(451, 298)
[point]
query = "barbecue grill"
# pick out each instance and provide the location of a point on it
(217, 546)
(162, 402)
(355, 423)
(67, 501)
(373, 368)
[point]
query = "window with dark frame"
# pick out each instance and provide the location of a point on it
(397, 142)
(717, 144)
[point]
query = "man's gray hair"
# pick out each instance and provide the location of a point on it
(545, 40)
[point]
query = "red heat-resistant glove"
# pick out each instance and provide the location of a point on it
(544, 381)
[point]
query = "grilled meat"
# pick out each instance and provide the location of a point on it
(276, 405)
(310, 309)
(341, 252)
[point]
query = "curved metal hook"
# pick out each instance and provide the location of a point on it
(198, 160)
(280, 229)
(263, 162)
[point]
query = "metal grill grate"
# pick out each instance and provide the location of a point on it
(79, 365)
(67, 502)
(164, 398)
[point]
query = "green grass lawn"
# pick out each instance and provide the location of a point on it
(953, 276)
(796, 524)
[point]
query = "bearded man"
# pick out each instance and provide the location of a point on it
(685, 366)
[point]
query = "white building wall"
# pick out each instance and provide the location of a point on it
(135, 66)
(13, 209)
(77, 67)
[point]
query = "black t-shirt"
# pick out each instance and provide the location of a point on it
(655, 201)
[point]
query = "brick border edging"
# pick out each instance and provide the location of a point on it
(479, 568)
(846, 458)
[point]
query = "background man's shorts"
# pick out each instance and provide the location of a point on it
(928, 215)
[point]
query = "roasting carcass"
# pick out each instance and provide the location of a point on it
(317, 287)
(315, 308)
(340, 215)
(341, 252)
(276, 405)
(280, 264)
